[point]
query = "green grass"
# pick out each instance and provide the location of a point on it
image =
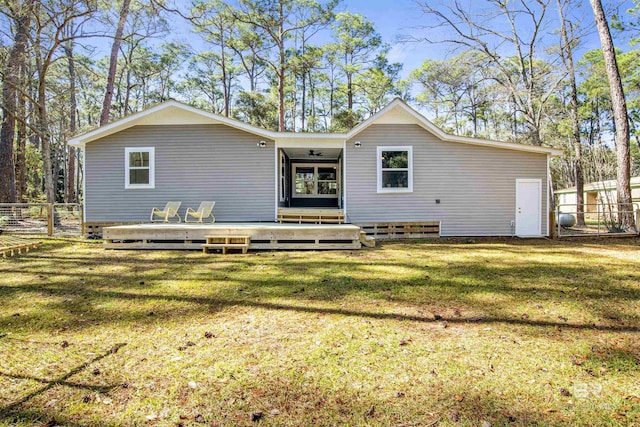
(507, 332)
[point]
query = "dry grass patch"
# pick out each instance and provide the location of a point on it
(504, 332)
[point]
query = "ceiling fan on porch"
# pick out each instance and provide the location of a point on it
(313, 153)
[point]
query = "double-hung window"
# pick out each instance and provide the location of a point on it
(395, 169)
(139, 167)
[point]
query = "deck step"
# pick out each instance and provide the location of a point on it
(311, 216)
(368, 241)
(215, 241)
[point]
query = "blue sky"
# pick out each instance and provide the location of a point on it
(396, 18)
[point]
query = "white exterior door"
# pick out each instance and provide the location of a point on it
(528, 207)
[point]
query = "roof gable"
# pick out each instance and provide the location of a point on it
(166, 113)
(396, 112)
(399, 112)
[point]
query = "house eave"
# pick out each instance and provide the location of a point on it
(144, 117)
(138, 118)
(422, 121)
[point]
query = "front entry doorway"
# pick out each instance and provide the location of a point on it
(315, 184)
(310, 177)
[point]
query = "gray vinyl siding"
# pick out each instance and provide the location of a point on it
(192, 163)
(476, 185)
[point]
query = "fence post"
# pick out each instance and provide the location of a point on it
(49, 219)
(552, 225)
(81, 216)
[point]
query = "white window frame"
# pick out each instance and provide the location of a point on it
(152, 168)
(409, 169)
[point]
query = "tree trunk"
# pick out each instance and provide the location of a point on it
(113, 62)
(567, 56)
(304, 87)
(303, 101)
(281, 68)
(41, 119)
(621, 118)
(45, 141)
(70, 191)
(281, 127)
(223, 68)
(281, 77)
(21, 147)
(349, 101)
(10, 101)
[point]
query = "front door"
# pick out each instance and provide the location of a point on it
(528, 207)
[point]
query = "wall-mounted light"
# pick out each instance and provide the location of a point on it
(357, 144)
(262, 144)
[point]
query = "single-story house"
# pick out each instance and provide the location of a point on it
(396, 166)
(596, 193)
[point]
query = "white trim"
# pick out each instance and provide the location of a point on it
(282, 197)
(539, 182)
(426, 124)
(84, 186)
(277, 181)
(294, 139)
(152, 168)
(409, 150)
(315, 181)
(133, 119)
(549, 188)
(344, 180)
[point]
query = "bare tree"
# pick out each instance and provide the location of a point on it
(499, 28)
(567, 44)
(113, 62)
(619, 106)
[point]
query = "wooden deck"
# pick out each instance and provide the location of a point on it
(402, 230)
(261, 235)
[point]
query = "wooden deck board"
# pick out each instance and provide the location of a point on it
(261, 235)
(402, 230)
(9, 246)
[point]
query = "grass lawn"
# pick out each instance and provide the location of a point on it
(490, 332)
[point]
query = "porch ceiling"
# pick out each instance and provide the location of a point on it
(319, 153)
